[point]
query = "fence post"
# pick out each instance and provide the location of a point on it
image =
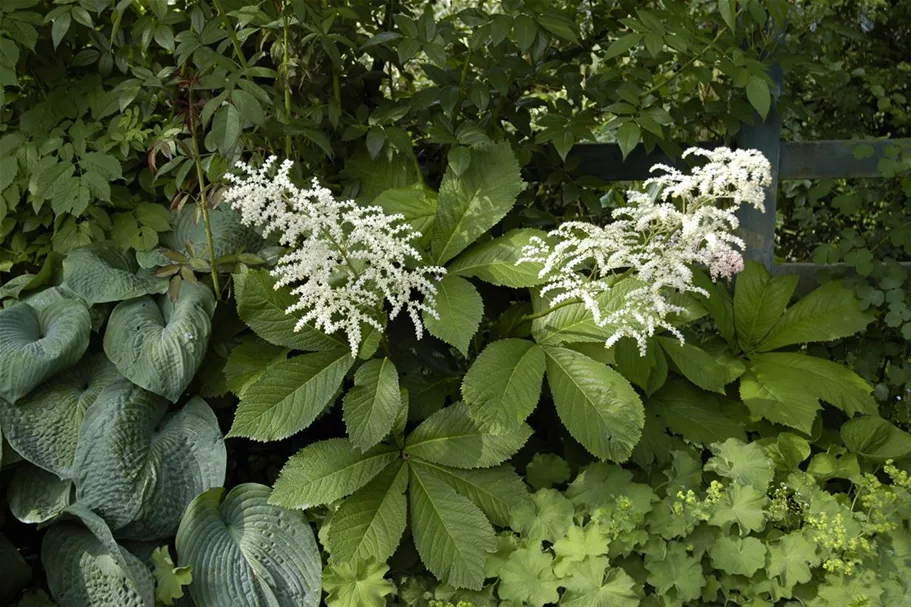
(758, 228)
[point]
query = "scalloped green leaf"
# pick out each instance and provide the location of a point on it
(44, 426)
(244, 552)
(36, 344)
(139, 466)
(159, 345)
(102, 272)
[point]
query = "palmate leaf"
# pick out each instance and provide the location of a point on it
(38, 343)
(288, 396)
(759, 301)
(474, 201)
(245, 552)
(101, 272)
(169, 579)
(450, 437)
(44, 426)
(494, 261)
(460, 308)
(745, 463)
(139, 467)
(451, 534)
(596, 404)
(370, 523)
(159, 345)
(738, 556)
(527, 578)
(357, 584)
(370, 407)
(326, 471)
(503, 385)
(592, 583)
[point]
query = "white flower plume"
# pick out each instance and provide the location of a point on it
(347, 259)
(676, 221)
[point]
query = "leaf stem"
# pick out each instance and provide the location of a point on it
(544, 313)
(201, 177)
(287, 79)
(231, 33)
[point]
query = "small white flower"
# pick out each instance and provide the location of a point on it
(347, 260)
(678, 220)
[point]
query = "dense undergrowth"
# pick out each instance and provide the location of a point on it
(501, 381)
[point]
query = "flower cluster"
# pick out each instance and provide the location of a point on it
(346, 261)
(676, 221)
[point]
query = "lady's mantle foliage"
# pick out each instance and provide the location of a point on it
(678, 221)
(348, 258)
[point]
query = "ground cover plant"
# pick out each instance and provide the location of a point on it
(310, 304)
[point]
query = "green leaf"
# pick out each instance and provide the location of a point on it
(169, 579)
(103, 164)
(60, 27)
(678, 571)
(496, 491)
(357, 584)
(370, 407)
(262, 308)
(450, 437)
(622, 45)
(830, 312)
(790, 559)
(101, 273)
(503, 385)
(229, 235)
(596, 404)
(44, 426)
(578, 545)
(248, 361)
(525, 30)
(35, 495)
(875, 438)
(472, 203)
(494, 261)
(649, 372)
(746, 463)
(759, 301)
(225, 130)
(326, 471)
(741, 504)
(697, 416)
(451, 534)
(527, 578)
(592, 583)
(460, 308)
(709, 372)
(728, 10)
(370, 523)
(628, 136)
(160, 345)
(34, 345)
(245, 552)
(759, 96)
(738, 556)
(288, 396)
(84, 569)
(547, 517)
(138, 467)
(546, 470)
(417, 203)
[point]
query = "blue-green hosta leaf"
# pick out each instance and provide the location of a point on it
(370, 407)
(138, 467)
(451, 534)
(229, 235)
(34, 345)
(326, 471)
(759, 301)
(830, 312)
(450, 437)
(36, 495)
(288, 396)
(263, 309)
(494, 261)
(596, 404)
(86, 568)
(44, 426)
(473, 202)
(370, 523)
(496, 491)
(460, 308)
(101, 272)
(244, 552)
(159, 345)
(503, 385)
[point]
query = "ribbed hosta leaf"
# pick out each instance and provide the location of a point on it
(326, 471)
(451, 438)
(370, 523)
(86, 568)
(159, 345)
(370, 407)
(247, 553)
(596, 404)
(138, 467)
(34, 345)
(36, 495)
(288, 396)
(44, 426)
(496, 491)
(451, 534)
(228, 234)
(101, 272)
